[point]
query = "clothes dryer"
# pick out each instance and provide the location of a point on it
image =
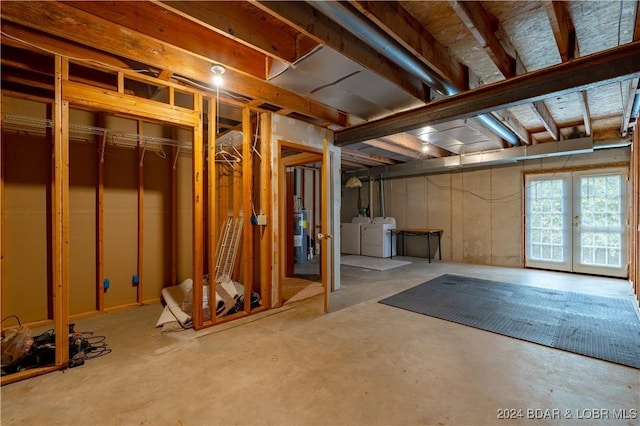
(377, 239)
(350, 235)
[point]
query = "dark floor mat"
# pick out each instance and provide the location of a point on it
(599, 327)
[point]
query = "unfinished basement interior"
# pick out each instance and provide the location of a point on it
(320, 212)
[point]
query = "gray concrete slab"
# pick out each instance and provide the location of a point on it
(364, 363)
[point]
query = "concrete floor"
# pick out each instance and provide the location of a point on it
(364, 363)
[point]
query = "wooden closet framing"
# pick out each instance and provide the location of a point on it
(243, 187)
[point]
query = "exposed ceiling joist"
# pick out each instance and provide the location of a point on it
(586, 116)
(481, 25)
(417, 144)
(509, 120)
(590, 71)
(192, 37)
(543, 113)
(393, 148)
(236, 22)
(98, 33)
(563, 29)
(365, 158)
(402, 27)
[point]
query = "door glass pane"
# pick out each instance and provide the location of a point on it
(600, 220)
(545, 218)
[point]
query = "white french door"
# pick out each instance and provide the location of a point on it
(576, 221)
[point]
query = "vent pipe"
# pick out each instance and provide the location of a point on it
(369, 33)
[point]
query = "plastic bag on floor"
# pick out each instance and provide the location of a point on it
(16, 343)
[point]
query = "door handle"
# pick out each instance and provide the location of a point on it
(322, 236)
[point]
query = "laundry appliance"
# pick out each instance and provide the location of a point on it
(377, 239)
(350, 235)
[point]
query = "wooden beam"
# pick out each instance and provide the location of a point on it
(247, 208)
(60, 209)
(393, 148)
(84, 28)
(540, 109)
(101, 142)
(399, 24)
(106, 100)
(314, 24)
(242, 23)
(481, 25)
(212, 237)
(373, 159)
(173, 214)
(140, 247)
(197, 272)
(632, 89)
(584, 106)
(300, 159)
(563, 29)
(349, 163)
(266, 200)
(415, 143)
(598, 69)
(509, 120)
(169, 26)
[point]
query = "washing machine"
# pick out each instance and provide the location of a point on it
(376, 239)
(350, 235)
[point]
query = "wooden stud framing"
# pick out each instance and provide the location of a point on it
(140, 248)
(107, 100)
(100, 222)
(173, 268)
(212, 238)
(1, 223)
(266, 237)
(247, 207)
(60, 208)
(197, 214)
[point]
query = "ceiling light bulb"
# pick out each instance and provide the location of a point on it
(217, 71)
(425, 147)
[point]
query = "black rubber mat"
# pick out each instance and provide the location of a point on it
(606, 328)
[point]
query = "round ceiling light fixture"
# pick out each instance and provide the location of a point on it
(217, 71)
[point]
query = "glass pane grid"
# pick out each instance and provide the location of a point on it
(546, 211)
(601, 220)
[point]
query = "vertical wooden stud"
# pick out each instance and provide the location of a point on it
(266, 236)
(140, 267)
(60, 207)
(247, 207)
(211, 208)
(100, 220)
(1, 222)
(315, 208)
(197, 270)
(173, 215)
(120, 82)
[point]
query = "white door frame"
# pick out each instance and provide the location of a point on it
(568, 192)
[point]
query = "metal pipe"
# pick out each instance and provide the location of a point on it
(635, 108)
(369, 33)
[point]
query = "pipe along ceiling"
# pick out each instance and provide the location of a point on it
(354, 22)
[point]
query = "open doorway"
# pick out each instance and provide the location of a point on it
(300, 182)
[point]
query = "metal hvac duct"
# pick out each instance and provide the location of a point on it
(359, 26)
